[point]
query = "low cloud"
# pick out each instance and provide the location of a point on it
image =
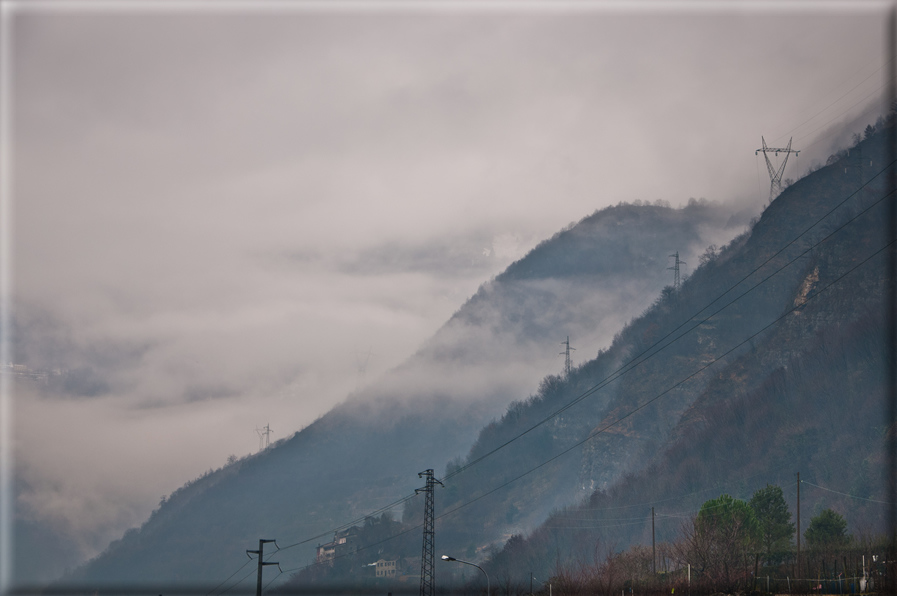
(214, 213)
(472, 255)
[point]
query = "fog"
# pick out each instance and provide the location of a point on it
(215, 210)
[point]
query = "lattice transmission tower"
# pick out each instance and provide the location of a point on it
(264, 434)
(775, 174)
(428, 553)
(675, 269)
(568, 364)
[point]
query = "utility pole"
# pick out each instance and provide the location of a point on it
(568, 364)
(675, 269)
(428, 552)
(775, 175)
(260, 553)
(653, 546)
(798, 524)
(856, 163)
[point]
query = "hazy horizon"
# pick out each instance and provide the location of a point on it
(216, 212)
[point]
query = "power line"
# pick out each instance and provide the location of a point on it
(847, 495)
(593, 520)
(837, 100)
(378, 543)
(621, 370)
(592, 435)
(238, 583)
(228, 579)
(392, 505)
(646, 503)
(822, 97)
(876, 90)
(271, 581)
(714, 488)
(600, 527)
(421, 525)
(681, 514)
(634, 362)
(658, 396)
(356, 521)
(405, 499)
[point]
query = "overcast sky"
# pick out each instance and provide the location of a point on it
(215, 210)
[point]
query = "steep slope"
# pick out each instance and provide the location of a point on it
(366, 453)
(785, 372)
(713, 353)
(699, 394)
(821, 413)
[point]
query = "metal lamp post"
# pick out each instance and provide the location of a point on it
(540, 581)
(448, 558)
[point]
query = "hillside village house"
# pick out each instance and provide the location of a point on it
(386, 568)
(342, 541)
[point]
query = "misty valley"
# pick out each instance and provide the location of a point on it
(730, 432)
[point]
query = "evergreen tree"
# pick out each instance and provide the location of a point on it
(827, 531)
(723, 530)
(774, 519)
(729, 517)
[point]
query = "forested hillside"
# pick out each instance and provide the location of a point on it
(771, 359)
(366, 453)
(768, 360)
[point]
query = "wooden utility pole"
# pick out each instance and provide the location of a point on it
(798, 524)
(756, 569)
(653, 545)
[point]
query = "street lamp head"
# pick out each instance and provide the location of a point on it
(448, 558)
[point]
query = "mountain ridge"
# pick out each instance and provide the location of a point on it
(591, 437)
(402, 421)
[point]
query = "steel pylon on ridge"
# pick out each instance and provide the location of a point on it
(775, 175)
(675, 270)
(428, 553)
(568, 363)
